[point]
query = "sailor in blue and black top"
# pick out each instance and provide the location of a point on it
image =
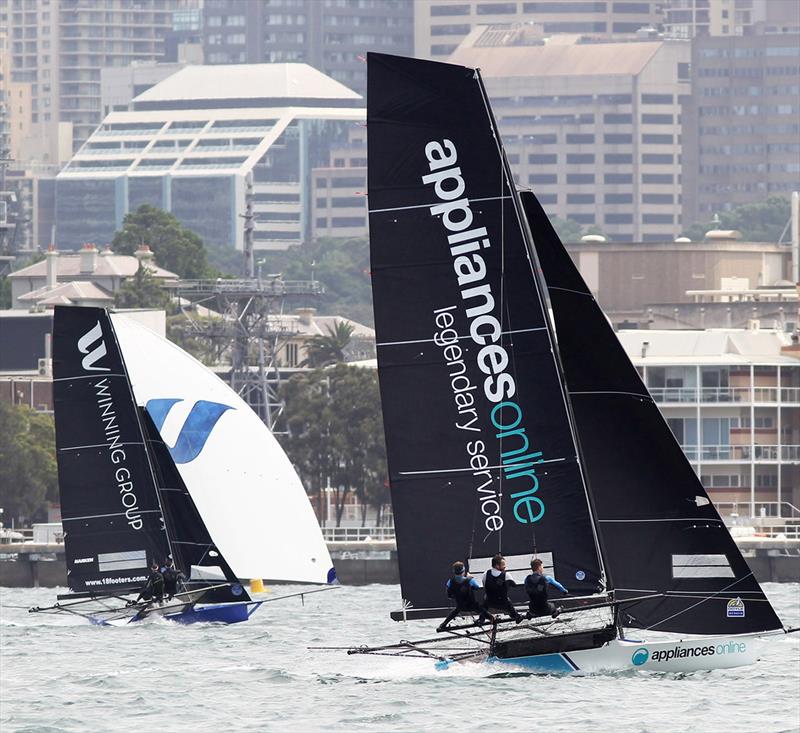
(461, 588)
(536, 587)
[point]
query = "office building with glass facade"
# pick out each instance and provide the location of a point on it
(199, 143)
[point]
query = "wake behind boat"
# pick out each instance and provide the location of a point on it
(134, 504)
(512, 431)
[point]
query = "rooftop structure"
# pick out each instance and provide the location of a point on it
(202, 142)
(593, 128)
(86, 278)
(698, 18)
(440, 25)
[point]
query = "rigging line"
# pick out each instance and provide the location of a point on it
(117, 514)
(570, 290)
(699, 603)
(88, 376)
(470, 469)
(673, 594)
(427, 206)
(460, 338)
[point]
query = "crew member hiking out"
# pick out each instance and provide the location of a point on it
(536, 587)
(153, 589)
(461, 588)
(496, 584)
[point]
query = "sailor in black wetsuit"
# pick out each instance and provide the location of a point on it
(461, 588)
(172, 577)
(496, 584)
(154, 587)
(536, 587)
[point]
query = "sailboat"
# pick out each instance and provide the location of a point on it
(218, 497)
(515, 422)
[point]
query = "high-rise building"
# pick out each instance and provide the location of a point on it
(59, 47)
(695, 18)
(741, 128)
(330, 35)
(440, 25)
(205, 142)
(592, 127)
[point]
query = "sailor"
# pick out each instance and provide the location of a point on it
(461, 588)
(496, 584)
(536, 586)
(172, 576)
(153, 589)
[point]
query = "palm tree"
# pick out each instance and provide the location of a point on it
(326, 349)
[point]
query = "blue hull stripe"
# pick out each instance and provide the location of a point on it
(546, 663)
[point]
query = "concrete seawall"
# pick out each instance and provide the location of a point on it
(361, 563)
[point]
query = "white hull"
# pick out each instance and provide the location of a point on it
(671, 655)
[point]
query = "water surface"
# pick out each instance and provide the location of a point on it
(63, 675)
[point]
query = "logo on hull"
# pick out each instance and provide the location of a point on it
(640, 656)
(194, 432)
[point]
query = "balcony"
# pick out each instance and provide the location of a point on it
(725, 395)
(743, 453)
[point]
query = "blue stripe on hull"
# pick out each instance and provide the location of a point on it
(544, 663)
(223, 613)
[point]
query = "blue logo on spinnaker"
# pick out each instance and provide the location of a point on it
(194, 432)
(640, 656)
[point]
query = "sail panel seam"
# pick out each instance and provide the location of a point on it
(472, 470)
(570, 290)
(468, 337)
(87, 376)
(612, 391)
(428, 206)
(115, 514)
(98, 445)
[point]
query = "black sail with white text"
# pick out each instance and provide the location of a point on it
(481, 455)
(113, 525)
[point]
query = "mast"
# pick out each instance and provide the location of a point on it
(544, 300)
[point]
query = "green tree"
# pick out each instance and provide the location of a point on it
(336, 433)
(143, 290)
(762, 221)
(567, 229)
(326, 349)
(175, 247)
(28, 475)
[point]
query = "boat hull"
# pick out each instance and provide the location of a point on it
(670, 655)
(218, 613)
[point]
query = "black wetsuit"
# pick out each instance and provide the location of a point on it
(172, 577)
(462, 590)
(153, 588)
(536, 588)
(496, 589)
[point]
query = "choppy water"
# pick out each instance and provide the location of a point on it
(61, 674)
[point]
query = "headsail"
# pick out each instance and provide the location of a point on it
(480, 450)
(660, 532)
(113, 525)
(243, 485)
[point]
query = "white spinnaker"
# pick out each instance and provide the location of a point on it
(244, 486)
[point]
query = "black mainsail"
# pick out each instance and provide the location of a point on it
(659, 530)
(480, 448)
(112, 518)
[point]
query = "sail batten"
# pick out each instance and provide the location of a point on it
(651, 509)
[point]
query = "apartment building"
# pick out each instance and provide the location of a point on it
(698, 18)
(732, 400)
(59, 47)
(330, 35)
(440, 25)
(592, 127)
(741, 126)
